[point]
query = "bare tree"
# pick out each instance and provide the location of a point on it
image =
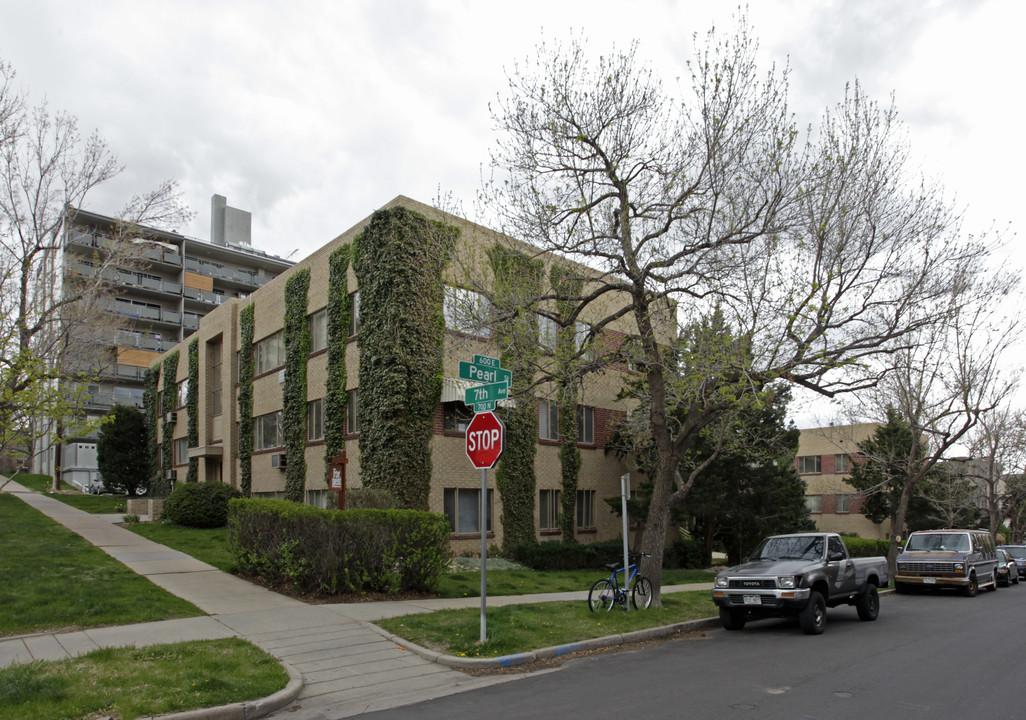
(821, 255)
(998, 447)
(949, 380)
(50, 328)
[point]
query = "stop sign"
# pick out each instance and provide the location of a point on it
(485, 437)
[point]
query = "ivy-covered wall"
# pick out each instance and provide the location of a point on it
(246, 400)
(517, 282)
(567, 287)
(296, 335)
(169, 395)
(335, 397)
(192, 408)
(398, 260)
(151, 381)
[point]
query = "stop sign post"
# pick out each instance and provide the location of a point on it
(485, 439)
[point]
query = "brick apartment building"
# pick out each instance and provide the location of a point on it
(824, 461)
(455, 485)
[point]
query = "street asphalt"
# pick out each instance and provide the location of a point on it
(340, 663)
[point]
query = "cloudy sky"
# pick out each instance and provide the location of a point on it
(312, 113)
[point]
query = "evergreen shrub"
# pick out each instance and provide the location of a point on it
(331, 552)
(866, 547)
(555, 555)
(689, 554)
(200, 505)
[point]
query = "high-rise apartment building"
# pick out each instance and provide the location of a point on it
(158, 303)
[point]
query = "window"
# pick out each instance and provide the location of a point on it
(842, 464)
(268, 354)
(814, 503)
(467, 312)
(548, 333)
(548, 420)
(183, 393)
(844, 503)
(354, 313)
(810, 463)
(463, 509)
(548, 506)
(181, 451)
(585, 509)
(582, 331)
(315, 420)
(585, 424)
(214, 377)
(456, 416)
(835, 546)
(352, 410)
(318, 323)
(267, 431)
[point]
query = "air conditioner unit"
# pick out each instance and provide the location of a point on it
(279, 460)
(172, 475)
(171, 417)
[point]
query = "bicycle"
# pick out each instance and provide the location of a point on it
(607, 592)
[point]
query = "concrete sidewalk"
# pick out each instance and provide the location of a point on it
(348, 666)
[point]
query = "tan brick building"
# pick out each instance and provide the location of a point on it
(455, 484)
(824, 460)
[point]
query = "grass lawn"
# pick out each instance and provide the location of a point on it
(51, 578)
(129, 682)
(522, 628)
(209, 545)
(95, 504)
(467, 583)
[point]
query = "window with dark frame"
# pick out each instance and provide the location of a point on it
(462, 507)
(548, 509)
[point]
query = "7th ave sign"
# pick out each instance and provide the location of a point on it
(485, 439)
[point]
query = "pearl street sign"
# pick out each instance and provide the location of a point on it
(497, 381)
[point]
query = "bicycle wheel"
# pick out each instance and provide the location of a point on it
(642, 592)
(602, 596)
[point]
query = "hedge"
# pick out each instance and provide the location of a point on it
(866, 547)
(309, 550)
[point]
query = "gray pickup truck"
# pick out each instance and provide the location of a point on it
(799, 575)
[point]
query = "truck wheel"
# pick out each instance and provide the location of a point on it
(732, 619)
(972, 588)
(812, 617)
(868, 604)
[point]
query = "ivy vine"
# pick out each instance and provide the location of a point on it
(167, 443)
(296, 335)
(567, 286)
(517, 284)
(399, 259)
(246, 400)
(192, 408)
(151, 381)
(335, 397)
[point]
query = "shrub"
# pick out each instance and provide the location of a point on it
(200, 505)
(687, 553)
(866, 547)
(375, 498)
(555, 555)
(336, 551)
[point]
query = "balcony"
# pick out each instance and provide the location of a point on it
(191, 321)
(208, 298)
(145, 341)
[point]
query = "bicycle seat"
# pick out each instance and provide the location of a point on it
(614, 566)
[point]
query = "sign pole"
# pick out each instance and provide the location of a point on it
(484, 551)
(624, 479)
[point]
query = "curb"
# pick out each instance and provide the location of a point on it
(243, 710)
(465, 663)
